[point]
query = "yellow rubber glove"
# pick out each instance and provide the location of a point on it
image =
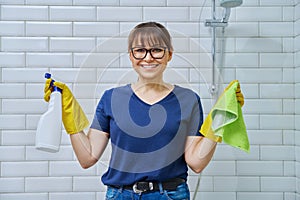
(240, 96)
(48, 89)
(206, 126)
(73, 117)
(238, 93)
(207, 130)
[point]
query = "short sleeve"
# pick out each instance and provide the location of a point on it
(101, 120)
(196, 117)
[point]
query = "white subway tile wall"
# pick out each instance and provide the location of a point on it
(297, 92)
(84, 44)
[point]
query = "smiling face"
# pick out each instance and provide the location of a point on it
(149, 68)
(150, 51)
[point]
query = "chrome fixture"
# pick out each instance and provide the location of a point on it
(214, 23)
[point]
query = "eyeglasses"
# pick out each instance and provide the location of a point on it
(140, 53)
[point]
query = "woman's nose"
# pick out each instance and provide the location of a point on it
(148, 57)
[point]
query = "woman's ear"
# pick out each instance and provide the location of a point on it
(170, 55)
(130, 56)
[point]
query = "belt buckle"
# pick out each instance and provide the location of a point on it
(139, 191)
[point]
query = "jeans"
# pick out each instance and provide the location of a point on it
(181, 193)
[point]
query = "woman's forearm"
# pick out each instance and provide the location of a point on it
(199, 151)
(88, 148)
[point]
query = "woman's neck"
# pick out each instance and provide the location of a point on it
(151, 92)
(158, 86)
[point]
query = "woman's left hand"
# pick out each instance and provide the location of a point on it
(240, 96)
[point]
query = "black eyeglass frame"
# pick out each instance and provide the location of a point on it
(149, 50)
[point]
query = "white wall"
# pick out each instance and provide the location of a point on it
(262, 51)
(297, 96)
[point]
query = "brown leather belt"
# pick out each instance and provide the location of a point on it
(148, 186)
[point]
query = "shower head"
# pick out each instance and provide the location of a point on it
(230, 3)
(227, 5)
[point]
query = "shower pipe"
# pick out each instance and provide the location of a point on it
(215, 23)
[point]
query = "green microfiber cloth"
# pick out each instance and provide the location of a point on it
(226, 120)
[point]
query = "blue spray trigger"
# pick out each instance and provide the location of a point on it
(57, 89)
(48, 75)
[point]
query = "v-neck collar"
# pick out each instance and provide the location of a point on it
(156, 102)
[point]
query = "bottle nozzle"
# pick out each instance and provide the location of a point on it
(48, 75)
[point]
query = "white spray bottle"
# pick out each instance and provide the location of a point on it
(48, 133)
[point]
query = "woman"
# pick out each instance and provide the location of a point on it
(153, 126)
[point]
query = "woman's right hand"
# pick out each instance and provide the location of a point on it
(73, 117)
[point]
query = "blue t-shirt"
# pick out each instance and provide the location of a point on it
(148, 141)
